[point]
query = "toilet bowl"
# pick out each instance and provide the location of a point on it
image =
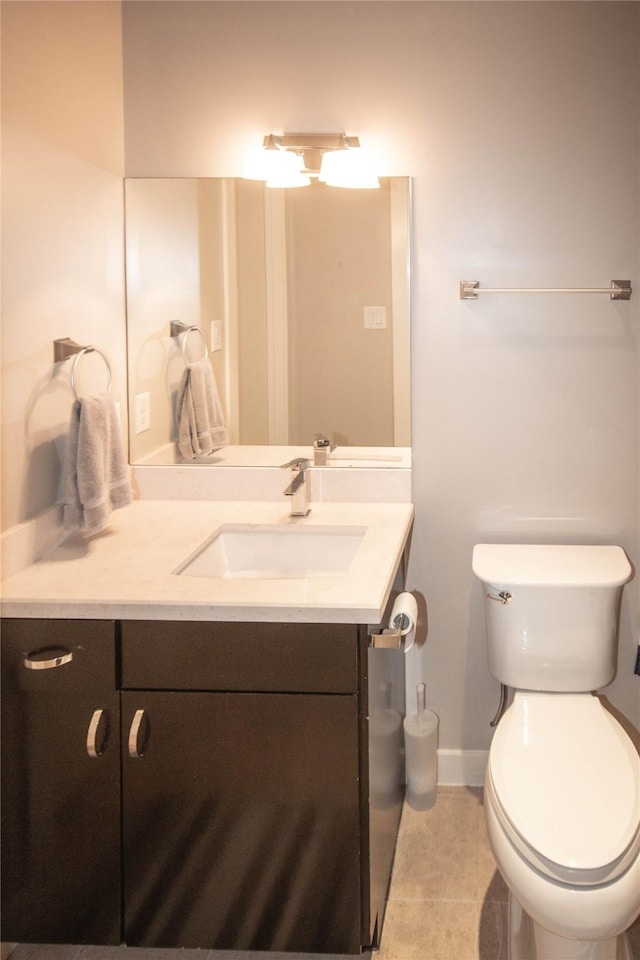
(562, 799)
(562, 788)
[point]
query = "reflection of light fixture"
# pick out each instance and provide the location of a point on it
(292, 159)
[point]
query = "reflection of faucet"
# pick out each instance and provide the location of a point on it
(322, 448)
(298, 489)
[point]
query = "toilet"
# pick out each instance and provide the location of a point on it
(562, 788)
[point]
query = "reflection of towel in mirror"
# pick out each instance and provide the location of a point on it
(201, 427)
(97, 474)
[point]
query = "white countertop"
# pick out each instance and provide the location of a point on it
(127, 572)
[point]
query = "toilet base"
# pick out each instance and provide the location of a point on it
(529, 941)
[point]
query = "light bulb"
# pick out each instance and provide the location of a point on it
(288, 171)
(348, 168)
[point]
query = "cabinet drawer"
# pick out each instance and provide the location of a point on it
(269, 657)
(59, 655)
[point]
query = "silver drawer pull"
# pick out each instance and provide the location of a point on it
(48, 658)
(503, 597)
(95, 749)
(138, 736)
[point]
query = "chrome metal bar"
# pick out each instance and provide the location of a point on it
(94, 749)
(48, 658)
(388, 639)
(137, 738)
(502, 706)
(182, 330)
(65, 348)
(79, 356)
(619, 290)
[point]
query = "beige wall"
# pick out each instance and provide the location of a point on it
(518, 123)
(62, 223)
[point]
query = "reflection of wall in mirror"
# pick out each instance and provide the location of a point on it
(252, 344)
(174, 264)
(341, 372)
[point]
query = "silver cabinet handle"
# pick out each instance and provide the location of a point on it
(503, 597)
(95, 749)
(138, 736)
(48, 658)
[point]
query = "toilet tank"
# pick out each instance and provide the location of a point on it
(557, 629)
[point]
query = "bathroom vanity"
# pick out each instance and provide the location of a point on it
(195, 773)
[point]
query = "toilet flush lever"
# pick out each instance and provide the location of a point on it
(503, 597)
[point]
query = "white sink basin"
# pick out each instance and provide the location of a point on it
(274, 552)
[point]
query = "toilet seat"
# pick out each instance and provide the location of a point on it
(564, 779)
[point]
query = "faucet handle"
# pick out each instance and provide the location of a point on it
(321, 441)
(322, 447)
(300, 462)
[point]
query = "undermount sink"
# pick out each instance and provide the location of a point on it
(253, 551)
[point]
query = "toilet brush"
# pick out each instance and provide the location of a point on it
(421, 753)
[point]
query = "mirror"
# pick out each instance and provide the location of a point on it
(301, 298)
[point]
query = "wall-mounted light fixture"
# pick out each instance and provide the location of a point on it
(292, 159)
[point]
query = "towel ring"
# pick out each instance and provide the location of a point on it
(76, 361)
(183, 343)
(182, 330)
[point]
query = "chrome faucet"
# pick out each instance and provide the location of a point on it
(298, 489)
(322, 448)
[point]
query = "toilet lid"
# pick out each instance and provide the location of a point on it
(567, 782)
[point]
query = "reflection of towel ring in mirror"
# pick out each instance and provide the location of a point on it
(183, 343)
(76, 361)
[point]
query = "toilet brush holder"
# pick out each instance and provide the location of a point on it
(421, 755)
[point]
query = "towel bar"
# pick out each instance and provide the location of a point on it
(65, 348)
(180, 329)
(619, 290)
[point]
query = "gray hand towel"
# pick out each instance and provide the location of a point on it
(97, 474)
(201, 427)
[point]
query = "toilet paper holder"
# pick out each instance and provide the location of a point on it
(388, 639)
(401, 629)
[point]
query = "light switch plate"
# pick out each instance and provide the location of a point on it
(142, 413)
(216, 335)
(375, 318)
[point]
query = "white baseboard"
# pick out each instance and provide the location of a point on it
(462, 768)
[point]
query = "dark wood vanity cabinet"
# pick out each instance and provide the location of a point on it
(241, 752)
(251, 850)
(60, 773)
(240, 796)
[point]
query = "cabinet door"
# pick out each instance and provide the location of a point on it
(60, 782)
(241, 821)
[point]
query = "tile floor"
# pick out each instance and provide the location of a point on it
(446, 902)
